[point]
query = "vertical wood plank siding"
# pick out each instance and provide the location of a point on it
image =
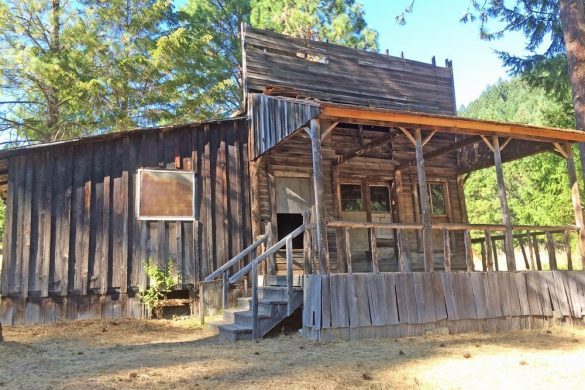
(71, 228)
(409, 304)
(301, 68)
(271, 120)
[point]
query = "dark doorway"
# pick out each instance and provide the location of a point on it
(286, 224)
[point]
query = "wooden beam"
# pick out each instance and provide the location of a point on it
(321, 230)
(447, 149)
(561, 150)
(429, 137)
(450, 124)
(328, 130)
(255, 175)
(506, 142)
(424, 203)
(408, 135)
(576, 198)
(488, 143)
(363, 149)
(509, 244)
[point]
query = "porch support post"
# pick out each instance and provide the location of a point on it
(577, 209)
(508, 243)
(424, 202)
(321, 230)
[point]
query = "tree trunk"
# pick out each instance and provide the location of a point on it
(53, 113)
(572, 13)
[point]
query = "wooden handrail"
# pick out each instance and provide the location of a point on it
(261, 239)
(269, 252)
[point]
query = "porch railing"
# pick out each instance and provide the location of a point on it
(526, 237)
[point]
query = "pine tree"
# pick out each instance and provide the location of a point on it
(120, 37)
(336, 21)
(43, 78)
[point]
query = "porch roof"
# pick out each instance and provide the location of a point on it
(445, 123)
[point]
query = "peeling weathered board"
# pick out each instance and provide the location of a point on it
(493, 293)
(439, 297)
(420, 297)
(429, 300)
(447, 284)
(532, 290)
(272, 119)
(339, 305)
(320, 70)
(522, 293)
(479, 297)
(325, 302)
(544, 294)
(352, 302)
(362, 298)
(464, 295)
(392, 300)
(561, 293)
(377, 291)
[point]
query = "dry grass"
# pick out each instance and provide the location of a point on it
(180, 354)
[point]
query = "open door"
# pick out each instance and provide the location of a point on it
(294, 195)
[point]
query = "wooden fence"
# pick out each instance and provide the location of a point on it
(407, 304)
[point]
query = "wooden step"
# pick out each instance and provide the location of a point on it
(265, 306)
(237, 323)
(231, 331)
(275, 292)
(280, 280)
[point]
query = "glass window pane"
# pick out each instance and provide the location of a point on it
(351, 197)
(437, 195)
(165, 194)
(380, 198)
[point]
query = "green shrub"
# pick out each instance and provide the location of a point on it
(161, 281)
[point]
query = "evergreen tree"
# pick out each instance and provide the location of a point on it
(336, 21)
(44, 79)
(121, 38)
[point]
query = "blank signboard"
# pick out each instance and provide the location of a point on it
(165, 195)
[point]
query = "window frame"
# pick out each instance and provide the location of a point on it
(443, 184)
(138, 187)
(389, 192)
(363, 201)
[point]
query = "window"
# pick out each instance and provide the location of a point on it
(437, 199)
(351, 197)
(380, 199)
(165, 195)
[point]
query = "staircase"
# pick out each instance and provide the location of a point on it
(237, 323)
(274, 298)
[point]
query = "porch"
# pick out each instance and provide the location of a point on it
(379, 204)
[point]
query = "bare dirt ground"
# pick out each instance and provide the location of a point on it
(179, 354)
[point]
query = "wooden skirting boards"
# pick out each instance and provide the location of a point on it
(409, 304)
(502, 324)
(47, 310)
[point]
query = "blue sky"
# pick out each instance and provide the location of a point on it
(433, 29)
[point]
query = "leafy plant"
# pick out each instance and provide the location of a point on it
(161, 281)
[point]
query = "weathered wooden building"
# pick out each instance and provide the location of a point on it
(347, 170)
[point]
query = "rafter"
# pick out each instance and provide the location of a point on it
(363, 149)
